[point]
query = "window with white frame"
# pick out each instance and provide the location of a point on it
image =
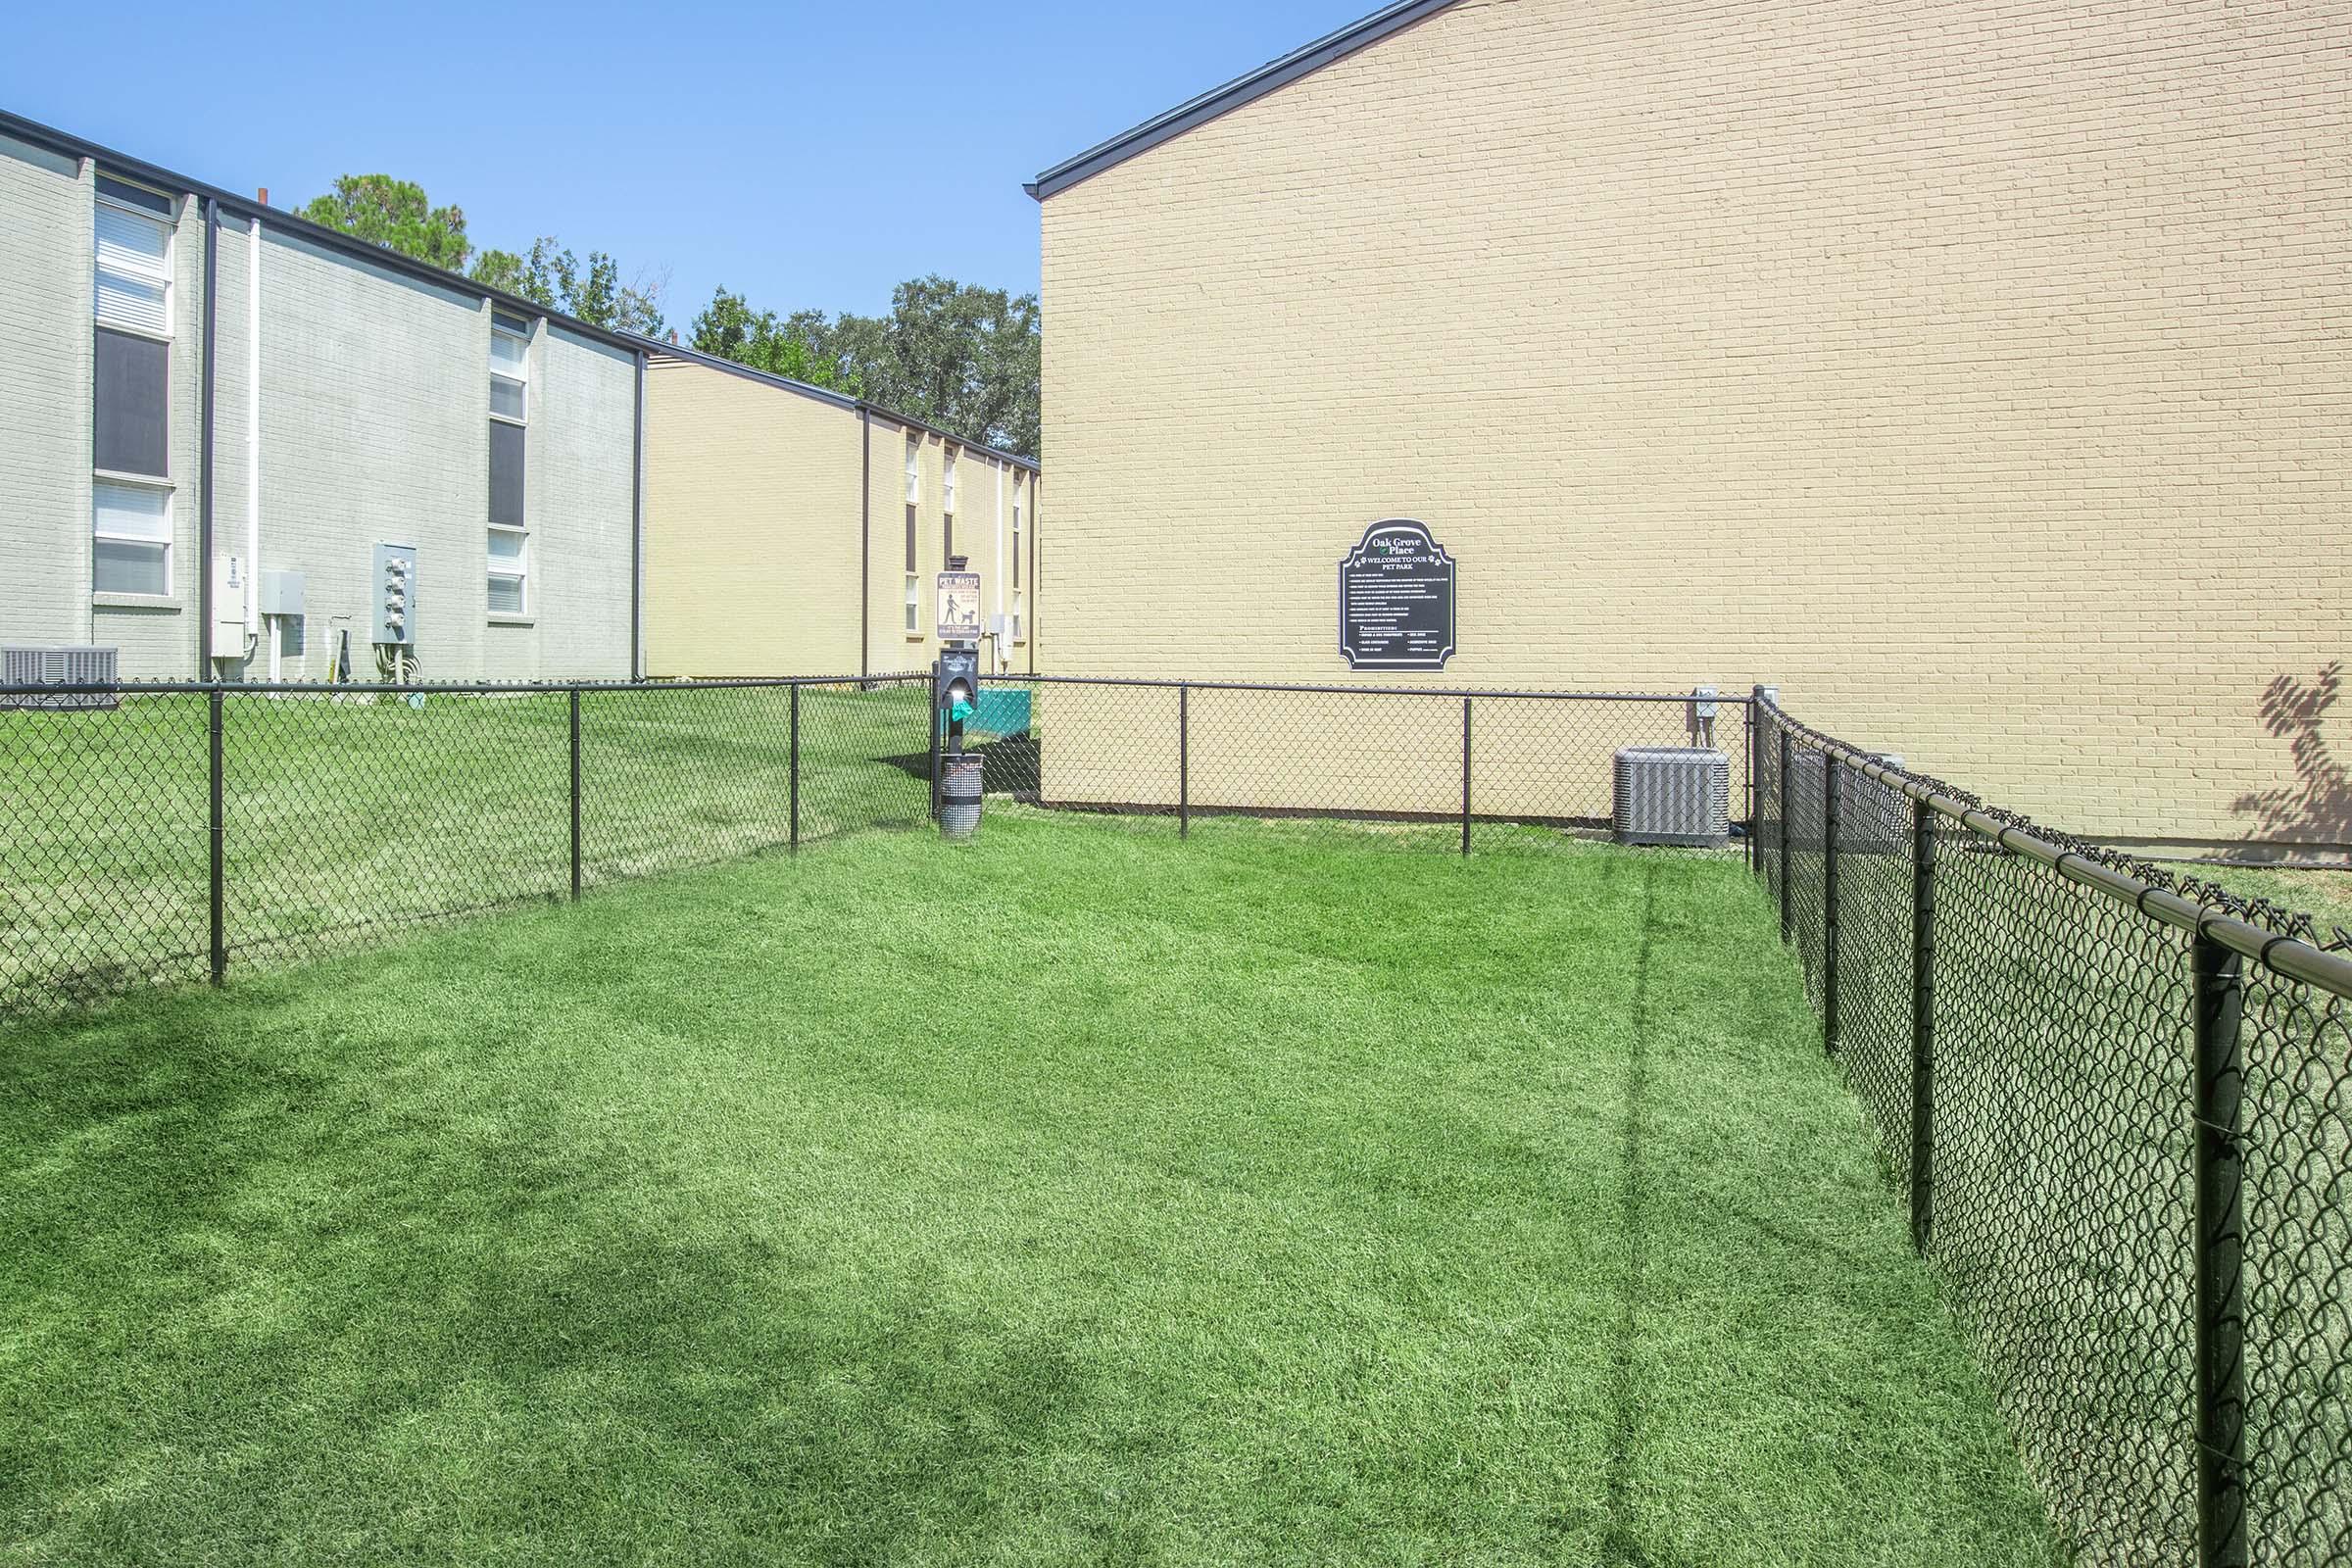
(509, 577)
(915, 606)
(131, 381)
(1020, 624)
(132, 542)
(915, 471)
(133, 258)
(1017, 537)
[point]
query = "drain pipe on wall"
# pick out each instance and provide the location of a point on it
(253, 440)
(866, 539)
(204, 469)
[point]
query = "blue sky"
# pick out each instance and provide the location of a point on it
(804, 155)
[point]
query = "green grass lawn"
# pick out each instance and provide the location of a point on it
(1070, 1197)
(348, 815)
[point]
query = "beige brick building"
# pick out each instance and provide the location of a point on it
(791, 530)
(1975, 372)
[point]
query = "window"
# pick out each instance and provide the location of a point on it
(510, 571)
(1016, 543)
(133, 258)
(949, 483)
(915, 606)
(508, 579)
(1019, 630)
(915, 471)
(910, 511)
(509, 367)
(131, 548)
(131, 380)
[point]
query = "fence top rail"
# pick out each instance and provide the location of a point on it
(452, 688)
(157, 688)
(1516, 694)
(2104, 870)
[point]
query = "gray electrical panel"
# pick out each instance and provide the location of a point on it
(395, 612)
(281, 593)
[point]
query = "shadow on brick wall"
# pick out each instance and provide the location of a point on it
(2317, 807)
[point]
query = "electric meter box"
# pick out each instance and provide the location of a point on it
(394, 614)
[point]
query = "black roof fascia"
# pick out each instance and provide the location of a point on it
(1233, 95)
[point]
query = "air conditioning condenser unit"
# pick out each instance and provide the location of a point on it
(1674, 795)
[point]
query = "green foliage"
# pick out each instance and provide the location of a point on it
(550, 276)
(393, 213)
(396, 214)
(797, 346)
(961, 356)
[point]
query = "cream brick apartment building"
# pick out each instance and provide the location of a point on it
(1975, 371)
(792, 529)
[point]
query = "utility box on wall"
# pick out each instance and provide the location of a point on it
(227, 634)
(395, 613)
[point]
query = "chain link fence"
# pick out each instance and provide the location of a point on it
(164, 834)
(2121, 1103)
(1412, 767)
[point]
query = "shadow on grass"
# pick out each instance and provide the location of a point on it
(353, 1305)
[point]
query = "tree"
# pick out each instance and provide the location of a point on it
(393, 213)
(954, 355)
(797, 346)
(396, 214)
(550, 276)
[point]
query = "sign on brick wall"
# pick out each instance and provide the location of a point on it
(960, 607)
(1397, 599)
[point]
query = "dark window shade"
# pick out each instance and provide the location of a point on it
(505, 474)
(910, 538)
(135, 196)
(947, 537)
(133, 430)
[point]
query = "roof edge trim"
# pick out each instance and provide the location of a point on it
(1232, 96)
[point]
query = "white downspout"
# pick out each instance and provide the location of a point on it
(253, 439)
(1004, 647)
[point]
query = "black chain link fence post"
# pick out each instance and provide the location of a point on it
(1831, 777)
(796, 768)
(575, 792)
(1465, 775)
(1923, 1022)
(1787, 793)
(1184, 761)
(2220, 1261)
(931, 722)
(219, 824)
(1753, 796)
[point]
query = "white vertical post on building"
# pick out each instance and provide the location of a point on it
(253, 439)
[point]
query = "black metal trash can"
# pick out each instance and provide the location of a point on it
(960, 795)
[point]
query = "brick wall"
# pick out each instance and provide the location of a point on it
(1973, 371)
(754, 520)
(374, 418)
(45, 346)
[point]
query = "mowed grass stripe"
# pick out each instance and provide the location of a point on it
(1247, 1200)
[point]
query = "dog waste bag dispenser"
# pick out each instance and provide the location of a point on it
(955, 693)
